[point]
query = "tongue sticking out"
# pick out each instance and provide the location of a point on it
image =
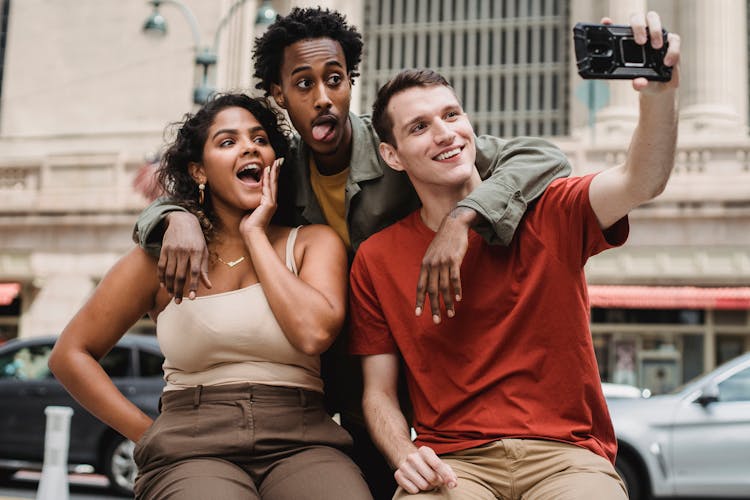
(322, 131)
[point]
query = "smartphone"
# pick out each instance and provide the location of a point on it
(609, 51)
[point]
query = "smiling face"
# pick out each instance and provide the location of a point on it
(234, 155)
(316, 91)
(434, 141)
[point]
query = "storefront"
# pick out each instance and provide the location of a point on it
(660, 337)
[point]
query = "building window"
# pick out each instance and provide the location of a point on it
(508, 60)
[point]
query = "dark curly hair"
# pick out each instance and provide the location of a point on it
(303, 24)
(191, 134)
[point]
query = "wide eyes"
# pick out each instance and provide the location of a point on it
(304, 84)
(228, 142)
(333, 80)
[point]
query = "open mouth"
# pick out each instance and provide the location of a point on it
(449, 154)
(324, 127)
(249, 173)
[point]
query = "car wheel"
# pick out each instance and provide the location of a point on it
(629, 475)
(119, 465)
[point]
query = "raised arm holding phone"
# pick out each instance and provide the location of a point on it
(515, 408)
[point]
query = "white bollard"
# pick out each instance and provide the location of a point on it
(54, 482)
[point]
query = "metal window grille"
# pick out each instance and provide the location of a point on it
(507, 59)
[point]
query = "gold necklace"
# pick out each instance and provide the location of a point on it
(231, 263)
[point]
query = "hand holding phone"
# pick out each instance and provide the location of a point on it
(609, 51)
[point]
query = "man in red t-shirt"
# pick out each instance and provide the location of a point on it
(506, 393)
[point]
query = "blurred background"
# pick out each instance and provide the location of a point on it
(86, 92)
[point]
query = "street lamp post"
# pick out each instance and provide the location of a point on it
(205, 55)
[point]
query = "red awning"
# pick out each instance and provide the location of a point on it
(8, 292)
(669, 297)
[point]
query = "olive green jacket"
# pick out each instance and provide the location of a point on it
(516, 172)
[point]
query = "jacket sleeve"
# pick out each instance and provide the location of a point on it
(515, 173)
(149, 230)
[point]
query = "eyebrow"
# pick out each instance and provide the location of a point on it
(234, 131)
(306, 67)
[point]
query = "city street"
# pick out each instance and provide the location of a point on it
(567, 182)
(82, 486)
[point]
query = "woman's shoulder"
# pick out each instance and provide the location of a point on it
(135, 275)
(307, 236)
(137, 260)
(319, 237)
(317, 231)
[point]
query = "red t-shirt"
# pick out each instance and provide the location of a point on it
(517, 360)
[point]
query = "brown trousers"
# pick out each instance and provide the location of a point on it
(244, 441)
(527, 469)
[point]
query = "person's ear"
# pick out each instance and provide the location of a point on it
(390, 156)
(278, 96)
(197, 172)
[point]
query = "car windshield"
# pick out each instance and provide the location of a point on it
(681, 388)
(705, 376)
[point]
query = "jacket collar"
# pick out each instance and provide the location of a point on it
(364, 164)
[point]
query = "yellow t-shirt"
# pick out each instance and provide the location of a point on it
(330, 192)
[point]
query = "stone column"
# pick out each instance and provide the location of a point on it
(714, 63)
(620, 115)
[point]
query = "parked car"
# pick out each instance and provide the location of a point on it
(27, 386)
(693, 442)
(616, 391)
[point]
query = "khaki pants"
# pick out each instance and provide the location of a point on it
(527, 469)
(241, 441)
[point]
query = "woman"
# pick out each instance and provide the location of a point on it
(242, 413)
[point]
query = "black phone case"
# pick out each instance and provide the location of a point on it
(609, 52)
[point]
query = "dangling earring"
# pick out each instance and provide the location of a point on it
(201, 193)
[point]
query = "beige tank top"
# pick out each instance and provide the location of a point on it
(232, 337)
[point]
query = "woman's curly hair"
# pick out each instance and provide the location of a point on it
(191, 134)
(303, 24)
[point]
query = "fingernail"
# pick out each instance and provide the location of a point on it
(458, 298)
(451, 313)
(436, 319)
(191, 295)
(418, 311)
(452, 485)
(177, 300)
